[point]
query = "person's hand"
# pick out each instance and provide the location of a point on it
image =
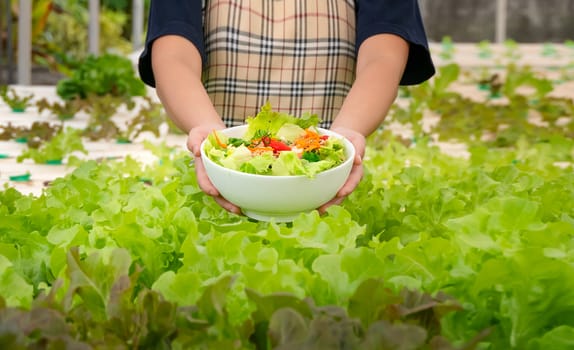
(194, 140)
(358, 141)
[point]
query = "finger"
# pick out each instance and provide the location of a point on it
(349, 186)
(194, 141)
(358, 160)
(227, 205)
(202, 179)
(352, 181)
(207, 187)
(359, 149)
(335, 201)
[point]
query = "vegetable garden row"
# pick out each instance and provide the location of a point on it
(432, 251)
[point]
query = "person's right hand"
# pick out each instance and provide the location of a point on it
(194, 140)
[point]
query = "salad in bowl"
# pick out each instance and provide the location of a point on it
(276, 166)
(277, 144)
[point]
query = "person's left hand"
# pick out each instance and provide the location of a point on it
(194, 140)
(358, 140)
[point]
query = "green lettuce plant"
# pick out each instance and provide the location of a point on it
(63, 110)
(447, 48)
(485, 49)
(148, 118)
(34, 135)
(63, 144)
(107, 74)
(430, 251)
(101, 124)
(17, 102)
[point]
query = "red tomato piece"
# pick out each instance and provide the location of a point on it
(279, 146)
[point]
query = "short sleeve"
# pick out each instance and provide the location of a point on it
(403, 18)
(171, 17)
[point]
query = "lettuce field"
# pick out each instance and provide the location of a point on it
(460, 236)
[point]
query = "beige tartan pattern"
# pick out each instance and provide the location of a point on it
(297, 54)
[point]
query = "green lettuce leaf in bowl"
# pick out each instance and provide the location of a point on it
(277, 144)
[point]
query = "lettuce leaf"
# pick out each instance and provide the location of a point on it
(272, 121)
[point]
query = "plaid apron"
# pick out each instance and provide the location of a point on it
(297, 54)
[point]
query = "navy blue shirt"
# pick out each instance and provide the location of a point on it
(400, 17)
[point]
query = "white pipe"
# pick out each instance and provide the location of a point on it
(94, 27)
(501, 14)
(137, 23)
(25, 43)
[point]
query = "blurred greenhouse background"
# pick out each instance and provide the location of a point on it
(460, 235)
(54, 34)
(525, 21)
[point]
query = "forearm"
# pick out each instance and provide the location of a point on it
(380, 65)
(177, 70)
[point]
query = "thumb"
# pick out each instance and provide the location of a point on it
(194, 144)
(358, 159)
(196, 149)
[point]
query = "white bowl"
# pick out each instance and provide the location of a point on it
(278, 198)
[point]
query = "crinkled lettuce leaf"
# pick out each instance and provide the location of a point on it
(272, 121)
